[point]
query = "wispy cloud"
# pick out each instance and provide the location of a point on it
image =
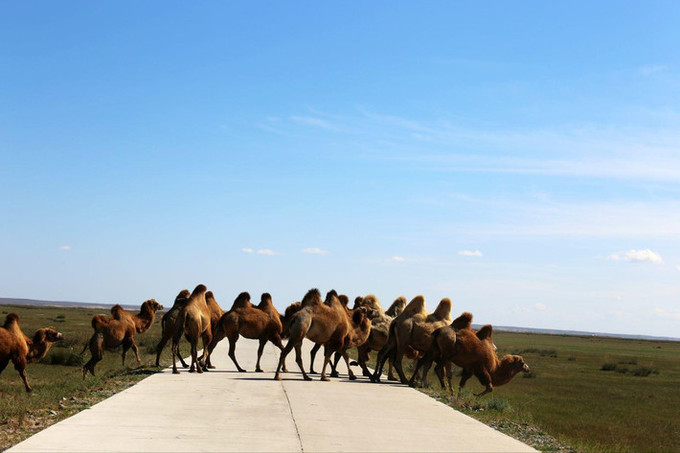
(398, 259)
(314, 122)
(267, 252)
(65, 247)
(315, 251)
(540, 306)
(470, 253)
(247, 250)
(637, 256)
(673, 314)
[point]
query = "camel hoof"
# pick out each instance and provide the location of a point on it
(335, 374)
(241, 370)
(259, 371)
(285, 370)
(277, 377)
(366, 374)
(312, 372)
(175, 371)
(392, 378)
(325, 378)
(307, 378)
(212, 367)
(352, 378)
(191, 370)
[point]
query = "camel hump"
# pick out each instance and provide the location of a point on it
(443, 310)
(417, 305)
(209, 295)
(97, 321)
(486, 332)
(116, 309)
(200, 289)
(313, 297)
(11, 319)
(265, 297)
(397, 307)
(344, 300)
(183, 295)
(242, 300)
(464, 321)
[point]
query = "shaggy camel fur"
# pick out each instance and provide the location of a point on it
(360, 328)
(287, 316)
(120, 329)
(321, 322)
(216, 313)
(412, 329)
(194, 321)
(475, 353)
(21, 350)
(169, 324)
(261, 323)
(380, 326)
(344, 300)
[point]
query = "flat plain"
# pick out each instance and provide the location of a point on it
(590, 393)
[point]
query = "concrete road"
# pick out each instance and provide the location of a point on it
(224, 410)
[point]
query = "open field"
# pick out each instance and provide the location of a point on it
(592, 393)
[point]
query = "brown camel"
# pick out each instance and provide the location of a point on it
(261, 323)
(380, 325)
(287, 316)
(324, 323)
(120, 329)
(360, 328)
(169, 324)
(413, 329)
(216, 313)
(194, 321)
(21, 350)
(344, 301)
(475, 353)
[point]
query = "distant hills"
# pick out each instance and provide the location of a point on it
(59, 303)
(55, 303)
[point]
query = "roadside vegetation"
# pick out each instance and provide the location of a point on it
(59, 390)
(592, 394)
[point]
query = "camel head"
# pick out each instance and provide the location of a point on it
(47, 335)
(514, 364)
(152, 305)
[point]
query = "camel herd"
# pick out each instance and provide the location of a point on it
(402, 330)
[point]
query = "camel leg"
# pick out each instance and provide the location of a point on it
(361, 360)
(463, 379)
(312, 355)
(390, 371)
(260, 348)
(439, 370)
(334, 365)
(326, 358)
(159, 348)
(126, 346)
(205, 357)
(96, 345)
(385, 353)
(298, 360)
(20, 366)
(136, 351)
(485, 379)
(397, 366)
(232, 354)
(352, 376)
(276, 339)
(282, 358)
(424, 364)
(3, 364)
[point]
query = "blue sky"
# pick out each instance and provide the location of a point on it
(521, 159)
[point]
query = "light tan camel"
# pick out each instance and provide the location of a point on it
(216, 313)
(380, 326)
(324, 323)
(120, 329)
(193, 321)
(169, 324)
(21, 350)
(413, 329)
(360, 328)
(261, 323)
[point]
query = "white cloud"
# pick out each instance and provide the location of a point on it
(540, 306)
(315, 251)
(398, 259)
(267, 252)
(677, 267)
(470, 253)
(660, 312)
(65, 247)
(247, 250)
(637, 256)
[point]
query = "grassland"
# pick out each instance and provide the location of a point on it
(59, 390)
(590, 393)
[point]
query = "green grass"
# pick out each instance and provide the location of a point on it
(570, 397)
(58, 387)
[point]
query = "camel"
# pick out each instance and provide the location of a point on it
(344, 301)
(321, 322)
(169, 324)
(380, 325)
(216, 313)
(360, 328)
(412, 329)
(475, 353)
(21, 350)
(287, 315)
(194, 321)
(120, 329)
(261, 323)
